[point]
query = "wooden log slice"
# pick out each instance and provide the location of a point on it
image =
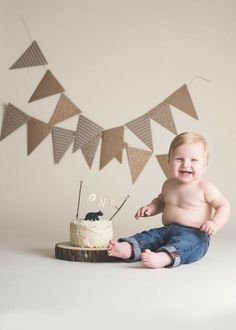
(66, 251)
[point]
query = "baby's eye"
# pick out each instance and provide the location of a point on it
(179, 159)
(194, 160)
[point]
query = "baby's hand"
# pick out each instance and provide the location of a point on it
(210, 227)
(143, 212)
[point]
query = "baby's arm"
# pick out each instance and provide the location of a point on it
(155, 207)
(222, 209)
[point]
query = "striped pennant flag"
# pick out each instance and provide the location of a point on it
(89, 150)
(141, 127)
(13, 118)
(86, 131)
(163, 116)
(33, 56)
(62, 139)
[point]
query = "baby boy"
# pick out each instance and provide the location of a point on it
(192, 208)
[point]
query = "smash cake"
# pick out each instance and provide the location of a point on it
(91, 233)
(89, 236)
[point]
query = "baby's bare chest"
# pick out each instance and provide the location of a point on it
(184, 196)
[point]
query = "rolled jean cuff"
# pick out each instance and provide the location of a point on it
(136, 250)
(173, 253)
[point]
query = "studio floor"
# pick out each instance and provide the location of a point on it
(39, 291)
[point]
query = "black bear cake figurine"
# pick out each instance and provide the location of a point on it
(93, 215)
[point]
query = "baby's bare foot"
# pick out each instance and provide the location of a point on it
(119, 249)
(155, 259)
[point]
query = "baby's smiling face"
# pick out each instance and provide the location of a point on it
(188, 162)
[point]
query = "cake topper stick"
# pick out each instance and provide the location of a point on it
(118, 209)
(80, 187)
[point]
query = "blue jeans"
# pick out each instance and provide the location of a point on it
(183, 244)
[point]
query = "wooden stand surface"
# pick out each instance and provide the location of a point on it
(66, 251)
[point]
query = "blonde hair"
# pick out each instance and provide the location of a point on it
(188, 137)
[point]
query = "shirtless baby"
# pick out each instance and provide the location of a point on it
(192, 210)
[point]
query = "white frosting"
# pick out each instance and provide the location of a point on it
(91, 234)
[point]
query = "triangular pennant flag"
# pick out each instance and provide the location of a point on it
(62, 139)
(112, 144)
(141, 127)
(119, 156)
(64, 110)
(89, 150)
(163, 160)
(162, 114)
(181, 99)
(86, 131)
(33, 56)
(48, 86)
(137, 159)
(37, 132)
(13, 119)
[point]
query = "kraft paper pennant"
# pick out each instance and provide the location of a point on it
(13, 118)
(48, 86)
(181, 99)
(37, 132)
(33, 56)
(162, 114)
(86, 131)
(164, 163)
(112, 145)
(119, 156)
(89, 150)
(62, 139)
(137, 159)
(141, 127)
(65, 109)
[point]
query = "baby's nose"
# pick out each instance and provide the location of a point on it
(186, 162)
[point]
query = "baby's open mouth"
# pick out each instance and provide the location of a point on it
(185, 172)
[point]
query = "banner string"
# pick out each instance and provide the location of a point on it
(26, 28)
(197, 77)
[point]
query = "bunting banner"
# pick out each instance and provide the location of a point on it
(163, 116)
(112, 145)
(48, 86)
(89, 150)
(141, 127)
(37, 132)
(62, 140)
(181, 99)
(33, 56)
(65, 109)
(13, 118)
(163, 161)
(86, 131)
(137, 159)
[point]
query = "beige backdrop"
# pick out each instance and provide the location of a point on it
(116, 59)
